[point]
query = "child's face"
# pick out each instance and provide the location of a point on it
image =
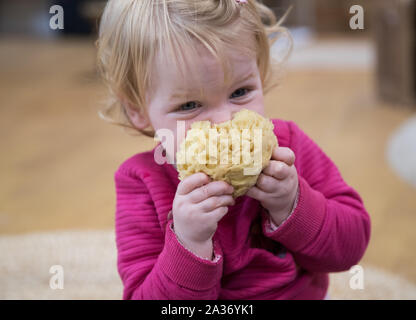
(176, 98)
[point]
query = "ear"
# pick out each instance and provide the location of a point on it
(138, 118)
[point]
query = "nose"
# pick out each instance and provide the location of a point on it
(222, 114)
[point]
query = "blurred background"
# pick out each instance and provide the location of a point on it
(350, 84)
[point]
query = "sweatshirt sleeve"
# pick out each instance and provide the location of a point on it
(152, 264)
(329, 229)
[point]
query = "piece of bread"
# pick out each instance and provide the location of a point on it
(234, 156)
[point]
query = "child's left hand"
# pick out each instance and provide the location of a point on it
(277, 185)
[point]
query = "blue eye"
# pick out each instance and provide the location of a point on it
(239, 93)
(188, 106)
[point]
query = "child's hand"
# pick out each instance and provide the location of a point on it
(277, 185)
(198, 206)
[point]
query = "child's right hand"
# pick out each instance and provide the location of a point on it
(198, 206)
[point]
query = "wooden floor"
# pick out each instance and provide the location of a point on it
(58, 158)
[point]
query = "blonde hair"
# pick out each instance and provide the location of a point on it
(133, 32)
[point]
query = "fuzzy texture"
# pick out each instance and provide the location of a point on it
(228, 151)
(328, 232)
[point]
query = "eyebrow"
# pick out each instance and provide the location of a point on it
(182, 94)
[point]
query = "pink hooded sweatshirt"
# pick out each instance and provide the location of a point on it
(328, 231)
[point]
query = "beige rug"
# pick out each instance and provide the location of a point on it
(88, 260)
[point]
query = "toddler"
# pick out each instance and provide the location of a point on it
(166, 61)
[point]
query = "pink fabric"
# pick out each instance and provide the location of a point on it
(328, 231)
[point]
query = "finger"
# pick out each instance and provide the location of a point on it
(215, 188)
(256, 193)
(284, 154)
(266, 183)
(192, 182)
(277, 169)
(213, 203)
(218, 213)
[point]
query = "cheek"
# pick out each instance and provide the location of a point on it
(178, 131)
(257, 104)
